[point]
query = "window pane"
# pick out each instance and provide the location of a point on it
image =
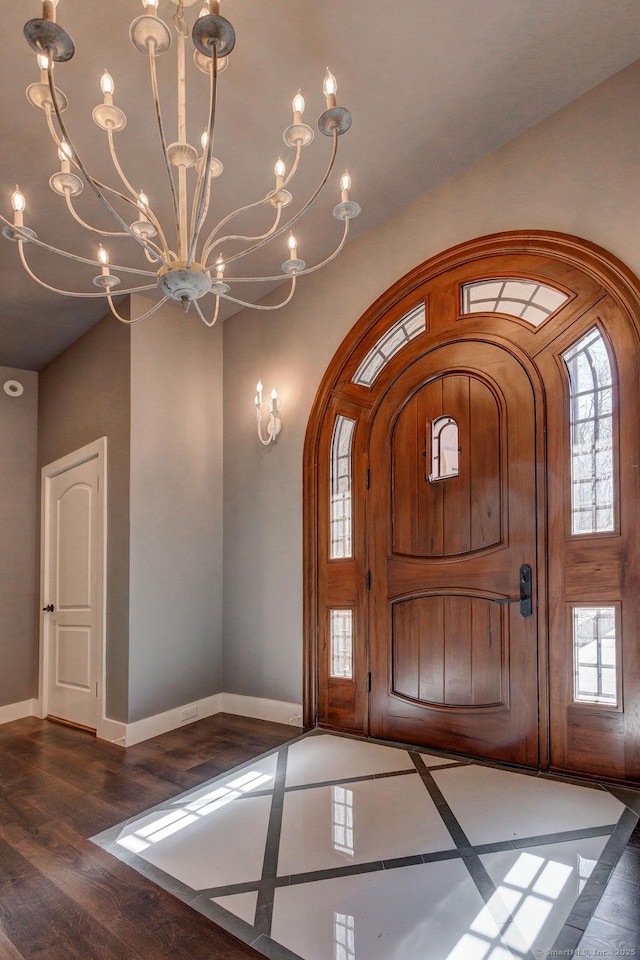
(444, 448)
(341, 522)
(407, 327)
(525, 299)
(594, 646)
(590, 406)
(341, 643)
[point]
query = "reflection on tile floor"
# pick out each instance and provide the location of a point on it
(333, 848)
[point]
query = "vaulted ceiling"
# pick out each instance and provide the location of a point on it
(433, 85)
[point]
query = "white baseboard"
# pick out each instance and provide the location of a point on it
(18, 711)
(128, 734)
(258, 708)
(278, 711)
(150, 727)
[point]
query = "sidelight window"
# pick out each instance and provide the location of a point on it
(341, 482)
(341, 630)
(591, 416)
(594, 649)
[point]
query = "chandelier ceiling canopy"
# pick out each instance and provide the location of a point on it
(189, 255)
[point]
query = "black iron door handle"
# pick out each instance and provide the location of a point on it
(49, 608)
(526, 587)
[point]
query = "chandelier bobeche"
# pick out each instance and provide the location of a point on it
(205, 261)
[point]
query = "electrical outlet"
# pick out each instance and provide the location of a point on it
(189, 713)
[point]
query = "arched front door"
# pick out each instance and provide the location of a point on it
(450, 529)
(471, 512)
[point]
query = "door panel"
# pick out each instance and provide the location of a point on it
(449, 651)
(443, 518)
(452, 666)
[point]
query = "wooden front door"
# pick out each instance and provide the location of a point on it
(453, 661)
(477, 434)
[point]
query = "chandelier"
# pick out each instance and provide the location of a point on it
(188, 259)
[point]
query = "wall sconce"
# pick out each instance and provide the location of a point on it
(274, 425)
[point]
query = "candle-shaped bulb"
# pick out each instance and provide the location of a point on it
(204, 139)
(17, 200)
(259, 388)
(106, 83)
(274, 394)
(150, 6)
(103, 256)
(279, 170)
(330, 88)
(345, 186)
(64, 155)
(298, 107)
(143, 204)
(43, 61)
(220, 268)
(292, 243)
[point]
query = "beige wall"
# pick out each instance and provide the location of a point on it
(175, 618)
(18, 554)
(84, 395)
(577, 172)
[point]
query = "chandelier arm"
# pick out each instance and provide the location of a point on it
(70, 293)
(299, 273)
(93, 184)
(87, 226)
(73, 256)
(299, 214)
(203, 183)
(240, 236)
(212, 241)
(262, 306)
(208, 323)
(163, 139)
(294, 166)
(103, 186)
(137, 319)
(152, 217)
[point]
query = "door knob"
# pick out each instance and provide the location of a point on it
(49, 608)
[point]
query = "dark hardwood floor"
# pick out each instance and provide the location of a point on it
(63, 898)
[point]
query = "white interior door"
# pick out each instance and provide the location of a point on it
(73, 569)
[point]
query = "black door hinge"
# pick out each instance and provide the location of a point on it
(368, 579)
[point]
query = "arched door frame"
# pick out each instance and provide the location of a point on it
(592, 260)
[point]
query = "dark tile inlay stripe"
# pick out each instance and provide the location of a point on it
(586, 904)
(264, 907)
(473, 863)
(259, 935)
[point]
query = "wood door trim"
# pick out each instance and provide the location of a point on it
(581, 254)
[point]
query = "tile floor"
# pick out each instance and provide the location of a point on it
(333, 848)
